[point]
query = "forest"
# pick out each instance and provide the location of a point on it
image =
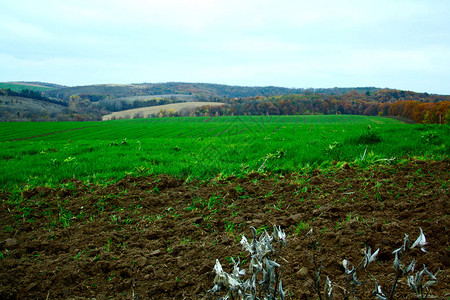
(28, 93)
(416, 107)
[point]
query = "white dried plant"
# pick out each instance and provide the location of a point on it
(350, 272)
(401, 269)
(264, 277)
(422, 288)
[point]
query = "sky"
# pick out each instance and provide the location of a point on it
(401, 44)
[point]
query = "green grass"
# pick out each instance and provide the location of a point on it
(205, 147)
(19, 87)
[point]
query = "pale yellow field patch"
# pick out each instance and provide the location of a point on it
(145, 112)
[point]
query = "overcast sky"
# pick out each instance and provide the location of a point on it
(290, 43)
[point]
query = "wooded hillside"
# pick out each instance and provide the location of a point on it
(417, 107)
(94, 101)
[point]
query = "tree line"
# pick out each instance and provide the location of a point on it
(417, 107)
(113, 106)
(26, 93)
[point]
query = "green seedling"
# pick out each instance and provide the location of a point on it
(302, 227)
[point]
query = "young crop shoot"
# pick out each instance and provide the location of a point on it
(264, 278)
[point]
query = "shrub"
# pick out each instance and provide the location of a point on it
(369, 137)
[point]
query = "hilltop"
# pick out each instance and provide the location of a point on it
(201, 90)
(30, 85)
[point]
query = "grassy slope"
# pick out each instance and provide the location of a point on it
(21, 86)
(203, 147)
(154, 110)
(14, 104)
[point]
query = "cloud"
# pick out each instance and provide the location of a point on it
(18, 30)
(283, 42)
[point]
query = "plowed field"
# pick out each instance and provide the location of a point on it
(158, 237)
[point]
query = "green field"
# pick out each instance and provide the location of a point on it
(203, 147)
(19, 87)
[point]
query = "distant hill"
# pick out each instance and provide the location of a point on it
(20, 108)
(30, 85)
(201, 91)
(39, 83)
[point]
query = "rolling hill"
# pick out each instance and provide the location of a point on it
(20, 108)
(202, 91)
(30, 85)
(145, 112)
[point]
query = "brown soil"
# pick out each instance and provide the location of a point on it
(158, 237)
